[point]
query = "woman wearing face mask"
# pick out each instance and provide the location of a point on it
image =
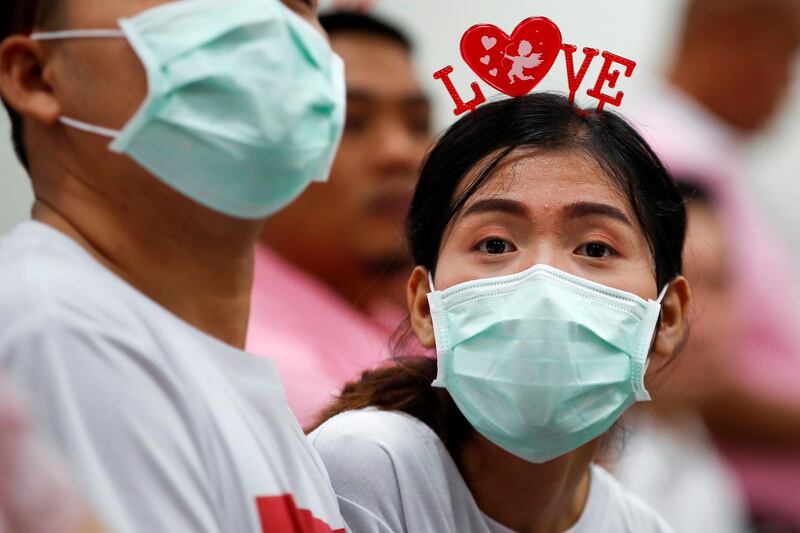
(548, 243)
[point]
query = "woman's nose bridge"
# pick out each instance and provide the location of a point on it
(546, 250)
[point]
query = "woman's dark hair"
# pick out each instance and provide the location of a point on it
(482, 141)
(691, 191)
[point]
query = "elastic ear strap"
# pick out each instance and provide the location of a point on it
(83, 126)
(643, 395)
(76, 34)
(430, 281)
(663, 292)
(441, 336)
(650, 322)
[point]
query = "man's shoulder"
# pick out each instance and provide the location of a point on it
(50, 287)
(48, 280)
(40, 267)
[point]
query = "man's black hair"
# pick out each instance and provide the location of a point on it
(338, 22)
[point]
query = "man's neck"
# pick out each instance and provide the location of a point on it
(528, 497)
(202, 278)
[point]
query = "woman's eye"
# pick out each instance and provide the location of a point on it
(595, 250)
(496, 246)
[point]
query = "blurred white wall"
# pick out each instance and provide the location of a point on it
(15, 189)
(642, 31)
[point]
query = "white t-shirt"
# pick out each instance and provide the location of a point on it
(392, 474)
(166, 428)
(676, 469)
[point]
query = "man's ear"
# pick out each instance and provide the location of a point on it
(23, 83)
(417, 294)
(673, 327)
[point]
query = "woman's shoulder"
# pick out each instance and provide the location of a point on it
(390, 471)
(376, 434)
(618, 509)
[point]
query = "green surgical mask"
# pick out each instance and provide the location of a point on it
(542, 362)
(245, 103)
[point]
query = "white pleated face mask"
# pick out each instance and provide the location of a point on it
(245, 104)
(542, 362)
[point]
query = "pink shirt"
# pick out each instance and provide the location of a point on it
(319, 341)
(693, 144)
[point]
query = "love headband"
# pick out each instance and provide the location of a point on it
(514, 65)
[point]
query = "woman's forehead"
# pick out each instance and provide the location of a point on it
(547, 179)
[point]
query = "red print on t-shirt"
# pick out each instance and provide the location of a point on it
(279, 514)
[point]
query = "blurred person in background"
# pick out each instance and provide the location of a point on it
(668, 458)
(35, 493)
(730, 74)
(331, 268)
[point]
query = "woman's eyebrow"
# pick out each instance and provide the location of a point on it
(587, 209)
(503, 205)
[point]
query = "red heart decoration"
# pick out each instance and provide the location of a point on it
(512, 65)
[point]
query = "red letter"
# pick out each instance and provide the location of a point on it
(575, 81)
(611, 77)
(461, 107)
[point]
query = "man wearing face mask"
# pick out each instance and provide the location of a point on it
(158, 136)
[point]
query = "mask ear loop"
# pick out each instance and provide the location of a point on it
(658, 322)
(82, 34)
(663, 293)
(440, 376)
(77, 34)
(89, 128)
